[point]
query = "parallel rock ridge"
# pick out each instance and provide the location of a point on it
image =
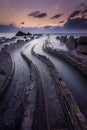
(45, 102)
(73, 114)
(75, 60)
(34, 113)
(6, 71)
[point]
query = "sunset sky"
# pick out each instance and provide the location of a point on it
(57, 14)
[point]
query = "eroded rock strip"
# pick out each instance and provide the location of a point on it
(73, 59)
(54, 112)
(35, 117)
(75, 118)
(6, 71)
(12, 104)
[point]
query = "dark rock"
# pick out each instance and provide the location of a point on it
(6, 71)
(82, 44)
(71, 43)
(2, 72)
(82, 40)
(82, 49)
(19, 33)
(63, 39)
(57, 37)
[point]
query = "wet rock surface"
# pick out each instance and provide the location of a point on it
(6, 70)
(34, 114)
(76, 60)
(70, 108)
(54, 113)
(37, 98)
(12, 103)
(71, 43)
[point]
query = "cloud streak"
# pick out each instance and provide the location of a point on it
(74, 14)
(38, 14)
(22, 23)
(81, 5)
(76, 24)
(56, 16)
(84, 11)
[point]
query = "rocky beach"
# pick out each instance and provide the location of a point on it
(33, 93)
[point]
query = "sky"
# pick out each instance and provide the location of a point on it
(50, 15)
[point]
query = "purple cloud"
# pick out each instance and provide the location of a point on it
(75, 13)
(38, 14)
(76, 24)
(56, 16)
(81, 5)
(84, 11)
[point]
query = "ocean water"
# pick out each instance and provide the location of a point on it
(57, 44)
(7, 35)
(76, 35)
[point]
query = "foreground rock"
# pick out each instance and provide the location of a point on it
(76, 44)
(7, 40)
(82, 45)
(46, 110)
(76, 60)
(34, 112)
(71, 43)
(63, 39)
(6, 71)
(12, 103)
(2, 40)
(75, 118)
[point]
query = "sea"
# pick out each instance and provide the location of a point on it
(7, 35)
(76, 35)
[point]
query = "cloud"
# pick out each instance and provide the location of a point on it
(72, 25)
(75, 13)
(76, 24)
(61, 21)
(85, 7)
(22, 23)
(52, 29)
(47, 27)
(38, 14)
(44, 29)
(81, 5)
(56, 16)
(84, 11)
